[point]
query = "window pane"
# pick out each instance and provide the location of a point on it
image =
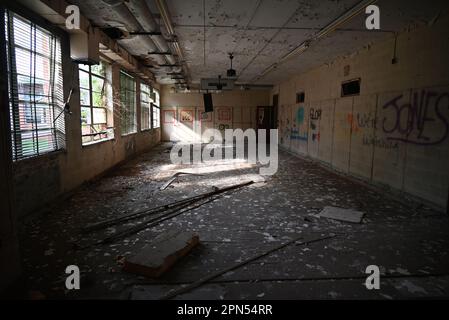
(35, 88)
(86, 116)
(84, 67)
(84, 80)
(156, 117)
(42, 70)
(99, 69)
(128, 104)
(97, 84)
(158, 100)
(84, 97)
(24, 62)
(145, 106)
(43, 119)
(99, 115)
(98, 99)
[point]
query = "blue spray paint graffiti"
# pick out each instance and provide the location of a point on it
(295, 132)
(300, 116)
(296, 135)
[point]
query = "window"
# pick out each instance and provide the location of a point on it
(145, 102)
(156, 110)
(128, 104)
(35, 88)
(300, 97)
(95, 100)
(275, 100)
(350, 88)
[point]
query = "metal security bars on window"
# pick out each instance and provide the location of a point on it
(128, 104)
(95, 97)
(35, 88)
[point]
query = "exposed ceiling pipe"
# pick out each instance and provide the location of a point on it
(144, 16)
(328, 29)
(133, 26)
(161, 5)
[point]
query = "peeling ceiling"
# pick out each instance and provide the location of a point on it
(258, 32)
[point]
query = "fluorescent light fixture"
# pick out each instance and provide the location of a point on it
(348, 15)
(298, 50)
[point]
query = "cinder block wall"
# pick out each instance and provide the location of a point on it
(396, 132)
(43, 179)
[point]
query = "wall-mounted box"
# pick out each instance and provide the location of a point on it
(85, 46)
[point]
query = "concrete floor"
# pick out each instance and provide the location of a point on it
(410, 244)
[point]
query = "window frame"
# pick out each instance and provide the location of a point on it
(158, 126)
(54, 80)
(150, 115)
(358, 81)
(126, 91)
(109, 131)
(158, 107)
(300, 97)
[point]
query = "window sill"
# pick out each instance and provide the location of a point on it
(43, 157)
(129, 134)
(97, 142)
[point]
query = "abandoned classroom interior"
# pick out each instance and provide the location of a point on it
(93, 105)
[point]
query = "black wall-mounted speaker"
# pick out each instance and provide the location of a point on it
(208, 105)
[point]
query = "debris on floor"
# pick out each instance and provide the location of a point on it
(206, 279)
(157, 258)
(168, 183)
(167, 212)
(175, 178)
(346, 215)
(122, 214)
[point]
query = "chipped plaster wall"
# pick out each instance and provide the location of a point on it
(182, 112)
(45, 178)
(395, 134)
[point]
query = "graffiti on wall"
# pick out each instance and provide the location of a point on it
(315, 131)
(315, 114)
(367, 121)
(300, 115)
(416, 122)
(299, 136)
(423, 122)
(315, 119)
(381, 143)
(298, 131)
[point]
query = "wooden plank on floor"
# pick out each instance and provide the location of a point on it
(160, 256)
